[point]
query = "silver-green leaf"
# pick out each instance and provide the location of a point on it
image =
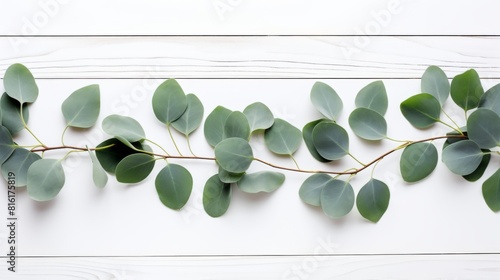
(169, 102)
(6, 144)
(216, 197)
(126, 127)
(491, 99)
(11, 114)
(374, 97)
(18, 163)
(20, 84)
(192, 117)
(483, 127)
(99, 175)
(259, 116)
(368, 124)
(234, 155)
(174, 184)
(331, 140)
(134, 168)
(435, 82)
(237, 126)
(491, 191)
(214, 125)
(466, 90)
(310, 190)
(421, 110)
(326, 100)
(81, 108)
(373, 200)
(307, 134)
(418, 161)
(462, 157)
(263, 181)
(45, 179)
(283, 138)
(337, 198)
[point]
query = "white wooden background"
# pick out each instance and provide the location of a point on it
(234, 52)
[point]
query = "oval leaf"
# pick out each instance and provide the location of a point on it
(45, 179)
(326, 100)
(192, 117)
(169, 101)
(283, 138)
(491, 99)
(337, 198)
(421, 110)
(435, 82)
(368, 124)
(174, 185)
(11, 115)
(307, 134)
(19, 162)
(99, 175)
(491, 191)
(6, 144)
(234, 155)
(331, 140)
(228, 177)
(462, 157)
(81, 108)
(214, 125)
(478, 173)
(373, 200)
(259, 116)
(134, 168)
(418, 161)
(263, 181)
(216, 197)
(374, 97)
(20, 84)
(237, 126)
(126, 127)
(483, 127)
(310, 191)
(110, 157)
(466, 90)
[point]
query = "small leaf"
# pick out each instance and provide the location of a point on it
(214, 125)
(237, 126)
(466, 90)
(81, 108)
(11, 115)
(234, 155)
(491, 99)
(483, 127)
(491, 191)
(368, 124)
(337, 198)
(228, 177)
(110, 157)
(264, 181)
(45, 179)
(373, 200)
(462, 157)
(283, 138)
(307, 134)
(18, 163)
(126, 127)
(99, 175)
(478, 173)
(174, 185)
(418, 161)
(192, 117)
(326, 100)
(421, 110)
(134, 168)
(259, 116)
(331, 140)
(374, 97)
(310, 191)
(435, 82)
(6, 144)
(216, 197)
(20, 84)
(169, 102)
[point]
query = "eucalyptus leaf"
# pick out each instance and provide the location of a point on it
(45, 179)
(263, 181)
(462, 157)
(169, 102)
(126, 127)
(237, 126)
(466, 90)
(421, 110)
(331, 140)
(418, 161)
(491, 191)
(214, 125)
(11, 114)
(234, 155)
(307, 134)
(174, 184)
(337, 198)
(20, 84)
(81, 108)
(368, 124)
(99, 175)
(478, 173)
(310, 190)
(259, 116)
(283, 138)
(326, 100)
(134, 168)
(483, 127)
(435, 82)
(192, 117)
(491, 99)
(19, 162)
(228, 177)
(216, 197)
(6, 144)
(374, 97)
(111, 156)
(373, 200)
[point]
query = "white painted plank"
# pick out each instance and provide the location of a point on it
(286, 267)
(56, 17)
(250, 57)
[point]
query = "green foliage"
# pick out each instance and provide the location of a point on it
(310, 191)
(19, 162)
(99, 175)
(191, 119)
(373, 200)
(421, 110)
(20, 84)
(174, 184)
(491, 99)
(418, 161)
(478, 173)
(237, 126)
(484, 128)
(214, 125)
(123, 127)
(368, 124)
(337, 198)
(374, 97)
(462, 157)
(331, 140)
(259, 116)
(263, 181)
(116, 151)
(45, 179)
(216, 197)
(11, 116)
(81, 108)
(466, 90)
(234, 155)
(228, 177)
(6, 144)
(134, 168)
(491, 191)
(435, 82)
(283, 138)
(326, 100)
(169, 102)
(307, 134)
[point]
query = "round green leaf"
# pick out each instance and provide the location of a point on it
(237, 126)
(307, 134)
(99, 175)
(368, 124)
(264, 181)
(126, 127)
(421, 110)
(337, 198)
(228, 177)
(18, 163)
(466, 90)
(234, 155)
(483, 127)
(435, 82)
(169, 101)
(478, 173)
(110, 157)
(310, 191)
(331, 140)
(20, 84)
(11, 115)
(6, 144)
(326, 100)
(174, 185)
(45, 179)
(491, 99)
(374, 97)
(214, 125)
(216, 197)
(192, 117)
(282, 138)
(462, 157)
(134, 168)
(259, 116)
(373, 199)
(491, 191)
(418, 161)
(81, 108)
